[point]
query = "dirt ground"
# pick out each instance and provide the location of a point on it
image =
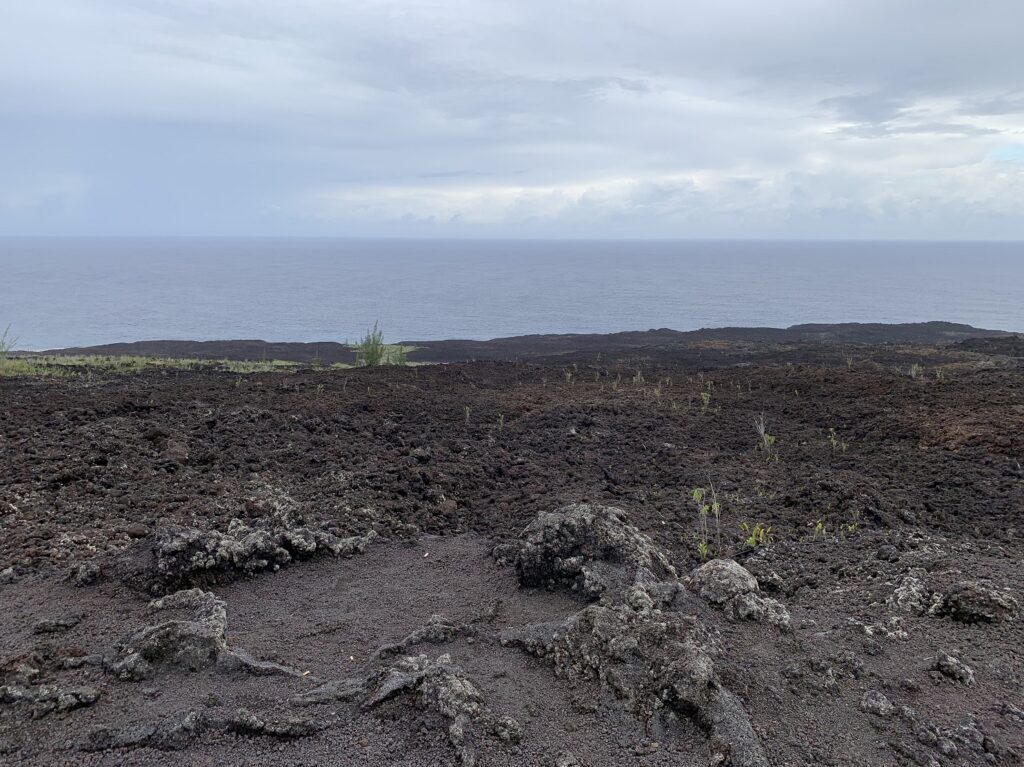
(891, 502)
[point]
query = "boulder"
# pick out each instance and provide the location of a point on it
(977, 602)
(720, 580)
(593, 550)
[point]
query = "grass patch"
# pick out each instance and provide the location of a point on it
(63, 366)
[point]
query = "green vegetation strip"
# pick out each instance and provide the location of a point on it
(74, 365)
(66, 366)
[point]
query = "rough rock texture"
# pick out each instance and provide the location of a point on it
(754, 607)
(874, 702)
(193, 643)
(441, 686)
(911, 594)
(645, 658)
(48, 698)
(190, 557)
(85, 574)
(727, 583)
(954, 668)
(436, 685)
(977, 602)
(967, 743)
(168, 733)
(245, 722)
(178, 730)
(720, 580)
(438, 630)
(648, 660)
(593, 550)
(57, 625)
(344, 690)
(892, 628)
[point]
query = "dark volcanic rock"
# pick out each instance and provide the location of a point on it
(646, 658)
(441, 686)
(954, 668)
(437, 685)
(976, 602)
(720, 580)
(56, 625)
(168, 733)
(874, 702)
(49, 698)
(178, 730)
(728, 584)
(437, 630)
(593, 550)
(911, 594)
(192, 643)
(186, 557)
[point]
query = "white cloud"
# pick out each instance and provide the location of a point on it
(724, 117)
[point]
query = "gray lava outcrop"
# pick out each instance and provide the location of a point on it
(593, 550)
(177, 558)
(195, 642)
(436, 685)
(728, 584)
(49, 698)
(191, 557)
(646, 654)
(178, 730)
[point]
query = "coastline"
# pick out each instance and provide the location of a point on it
(537, 346)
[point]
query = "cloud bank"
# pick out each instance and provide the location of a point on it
(711, 118)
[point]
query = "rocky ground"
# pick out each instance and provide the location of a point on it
(500, 563)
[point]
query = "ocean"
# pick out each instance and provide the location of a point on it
(78, 292)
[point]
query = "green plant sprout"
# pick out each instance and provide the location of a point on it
(757, 534)
(707, 503)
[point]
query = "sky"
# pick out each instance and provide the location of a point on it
(524, 118)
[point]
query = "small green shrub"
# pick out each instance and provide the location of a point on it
(371, 350)
(757, 534)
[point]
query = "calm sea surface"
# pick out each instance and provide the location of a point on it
(72, 292)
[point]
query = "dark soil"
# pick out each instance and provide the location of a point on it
(894, 499)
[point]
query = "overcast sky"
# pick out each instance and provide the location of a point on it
(652, 118)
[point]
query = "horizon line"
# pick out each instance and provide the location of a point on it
(456, 238)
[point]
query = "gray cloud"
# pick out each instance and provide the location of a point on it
(708, 118)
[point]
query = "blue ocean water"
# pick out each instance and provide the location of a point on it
(72, 292)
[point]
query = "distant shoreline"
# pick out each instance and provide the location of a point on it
(528, 346)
